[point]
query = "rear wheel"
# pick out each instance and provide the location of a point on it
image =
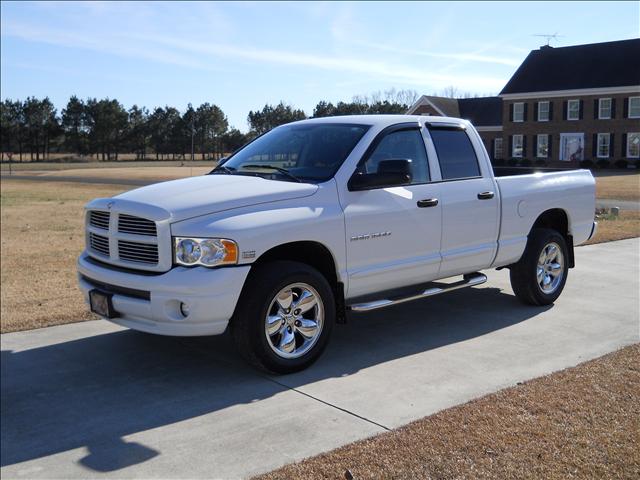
(540, 275)
(284, 317)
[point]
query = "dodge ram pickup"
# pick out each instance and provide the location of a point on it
(322, 217)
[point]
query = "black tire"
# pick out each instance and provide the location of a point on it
(523, 274)
(248, 324)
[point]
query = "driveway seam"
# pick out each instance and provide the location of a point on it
(271, 379)
(328, 403)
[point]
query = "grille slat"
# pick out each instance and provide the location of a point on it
(99, 244)
(137, 252)
(136, 225)
(99, 219)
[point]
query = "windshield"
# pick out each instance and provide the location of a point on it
(310, 152)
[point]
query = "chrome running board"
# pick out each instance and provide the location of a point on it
(469, 280)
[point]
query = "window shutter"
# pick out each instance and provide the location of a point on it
(510, 146)
(564, 110)
(493, 149)
(595, 145)
(611, 135)
(549, 142)
(625, 103)
(581, 110)
(511, 108)
(524, 146)
(596, 110)
(613, 108)
(623, 147)
(550, 110)
(524, 113)
(535, 111)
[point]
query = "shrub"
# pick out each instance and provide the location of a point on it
(525, 163)
(513, 162)
(586, 164)
(541, 163)
(621, 164)
(499, 162)
(602, 163)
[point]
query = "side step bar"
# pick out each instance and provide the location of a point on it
(468, 280)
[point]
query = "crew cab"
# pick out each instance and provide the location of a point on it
(326, 216)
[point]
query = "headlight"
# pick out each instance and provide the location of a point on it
(208, 252)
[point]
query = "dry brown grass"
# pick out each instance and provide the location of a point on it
(42, 235)
(618, 186)
(40, 167)
(583, 422)
(627, 225)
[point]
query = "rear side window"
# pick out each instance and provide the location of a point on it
(455, 153)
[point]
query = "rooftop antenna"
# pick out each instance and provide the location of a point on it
(549, 37)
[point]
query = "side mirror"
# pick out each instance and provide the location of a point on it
(391, 173)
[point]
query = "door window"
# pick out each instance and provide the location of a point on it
(401, 145)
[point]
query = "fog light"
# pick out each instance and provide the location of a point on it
(184, 309)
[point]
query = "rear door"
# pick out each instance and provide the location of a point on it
(470, 202)
(393, 233)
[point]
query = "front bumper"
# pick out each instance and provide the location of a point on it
(211, 295)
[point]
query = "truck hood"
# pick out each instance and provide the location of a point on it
(202, 195)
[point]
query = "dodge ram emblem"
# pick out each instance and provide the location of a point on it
(110, 204)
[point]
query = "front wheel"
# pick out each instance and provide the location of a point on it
(284, 317)
(540, 275)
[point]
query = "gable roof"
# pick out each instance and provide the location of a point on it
(595, 65)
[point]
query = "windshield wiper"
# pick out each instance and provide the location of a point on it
(222, 169)
(283, 171)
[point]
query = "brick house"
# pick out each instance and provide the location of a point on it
(561, 106)
(565, 105)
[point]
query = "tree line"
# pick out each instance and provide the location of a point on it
(104, 129)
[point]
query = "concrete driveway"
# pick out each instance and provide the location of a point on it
(94, 400)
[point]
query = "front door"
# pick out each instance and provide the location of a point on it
(393, 233)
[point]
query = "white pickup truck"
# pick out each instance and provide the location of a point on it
(324, 216)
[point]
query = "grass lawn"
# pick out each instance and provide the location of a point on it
(627, 225)
(42, 235)
(618, 186)
(583, 422)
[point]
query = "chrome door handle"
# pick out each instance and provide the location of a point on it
(485, 195)
(427, 202)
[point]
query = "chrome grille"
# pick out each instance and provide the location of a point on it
(99, 219)
(136, 225)
(99, 244)
(138, 252)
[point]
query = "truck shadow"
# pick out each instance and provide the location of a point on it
(92, 392)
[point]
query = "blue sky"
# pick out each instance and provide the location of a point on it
(243, 55)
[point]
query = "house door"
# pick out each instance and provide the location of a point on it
(572, 147)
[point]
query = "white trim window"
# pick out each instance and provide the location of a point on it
(517, 143)
(633, 145)
(542, 146)
(497, 148)
(604, 108)
(543, 111)
(634, 107)
(518, 112)
(573, 109)
(604, 142)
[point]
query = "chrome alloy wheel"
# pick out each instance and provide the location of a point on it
(550, 270)
(294, 320)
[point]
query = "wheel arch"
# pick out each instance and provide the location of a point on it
(314, 254)
(557, 219)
